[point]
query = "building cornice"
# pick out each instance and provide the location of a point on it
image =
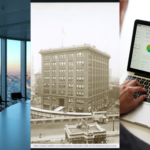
(74, 48)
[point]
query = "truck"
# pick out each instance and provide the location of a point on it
(100, 117)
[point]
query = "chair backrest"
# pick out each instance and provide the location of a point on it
(19, 95)
(13, 95)
(16, 95)
(0, 99)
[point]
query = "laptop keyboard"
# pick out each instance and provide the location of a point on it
(146, 85)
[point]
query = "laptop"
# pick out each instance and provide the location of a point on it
(138, 68)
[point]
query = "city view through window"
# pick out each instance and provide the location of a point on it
(28, 77)
(0, 67)
(14, 68)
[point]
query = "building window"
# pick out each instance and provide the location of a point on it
(46, 102)
(46, 65)
(78, 101)
(70, 93)
(63, 56)
(53, 99)
(61, 85)
(53, 71)
(46, 98)
(94, 92)
(93, 56)
(46, 73)
(89, 93)
(79, 94)
(54, 85)
(53, 91)
(80, 54)
(90, 63)
(46, 79)
(70, 56)
(90, 86)
(61, 78)
(70, 85)
(90, 55)
(62, 71)
(53, 78)
(70, 100)
(46, 57)
(70, 63)
(54, 57)
(54, 64)
(70, 78)
(80, 86)
(90, 71)
(93, 63)
(70, 71)
(90, 78)
(80, 63)
(46, 91)
(62, 64)
(80, 71)
(46, 85)
(80, 78)
(61, 92)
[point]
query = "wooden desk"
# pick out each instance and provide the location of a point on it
(15, 127)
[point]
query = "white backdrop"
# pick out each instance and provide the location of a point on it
(137, 9)
(92, 23)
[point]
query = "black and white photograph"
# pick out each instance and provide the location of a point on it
(75, 75)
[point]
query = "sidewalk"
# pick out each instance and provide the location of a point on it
(62, 136)
(112, 133)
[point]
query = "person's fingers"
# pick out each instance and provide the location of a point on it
(134, 83)
(139, 89)
(139, 100)
(126, 82)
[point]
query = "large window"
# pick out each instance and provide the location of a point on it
(0, 67)
(13, 67)
(28, 73)
(15, 71)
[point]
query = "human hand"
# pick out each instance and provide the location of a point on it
(127, 91)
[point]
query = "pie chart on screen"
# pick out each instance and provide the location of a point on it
(148, 48)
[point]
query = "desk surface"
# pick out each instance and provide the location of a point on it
(15, 127)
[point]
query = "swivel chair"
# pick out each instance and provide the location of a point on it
(3, 102)
(16, 96)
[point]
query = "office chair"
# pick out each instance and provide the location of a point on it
(16, 96)
(19, 95)
(1, 101)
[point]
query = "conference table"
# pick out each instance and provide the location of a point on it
(15, 127)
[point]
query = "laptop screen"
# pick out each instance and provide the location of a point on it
(140, 58)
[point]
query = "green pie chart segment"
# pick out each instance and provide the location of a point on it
(148, 48)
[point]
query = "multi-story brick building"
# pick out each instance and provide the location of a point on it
(75, 77)
(38, 84)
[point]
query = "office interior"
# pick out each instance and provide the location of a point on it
(15, 74)
(14, 52)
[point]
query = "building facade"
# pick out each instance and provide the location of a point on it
(75, 77)
(38, 84)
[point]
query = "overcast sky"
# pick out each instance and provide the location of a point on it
(92, 23)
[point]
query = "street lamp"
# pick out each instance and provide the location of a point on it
(113, 124)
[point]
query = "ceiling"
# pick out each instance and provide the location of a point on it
(15, 19)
